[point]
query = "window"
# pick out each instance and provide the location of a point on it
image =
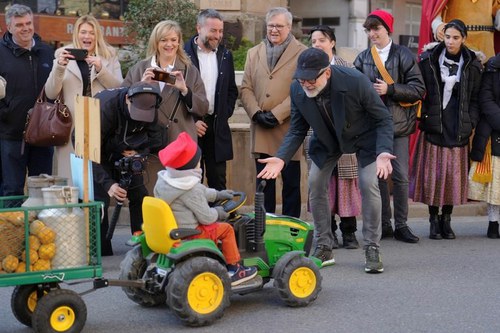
(412, 21)
(308, 23)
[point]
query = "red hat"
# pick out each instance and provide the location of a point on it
(385, 18)
(182, 153)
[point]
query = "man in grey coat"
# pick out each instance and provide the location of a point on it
(347, 116)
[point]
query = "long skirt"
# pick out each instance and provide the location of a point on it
(487, 192)
(439, 174)
(344, 197)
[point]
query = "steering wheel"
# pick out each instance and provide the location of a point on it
(230, 206)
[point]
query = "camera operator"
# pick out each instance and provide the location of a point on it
(129, 132)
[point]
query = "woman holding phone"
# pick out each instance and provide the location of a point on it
(184, 97)
(77, 73)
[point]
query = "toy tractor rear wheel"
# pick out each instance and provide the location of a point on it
(60, 311)
(198, 291)
(133, 268)
(299, 282)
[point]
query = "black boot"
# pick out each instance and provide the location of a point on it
(446, 230)
(493, 230)
(387, 231)
(334, 232)
(435, 228)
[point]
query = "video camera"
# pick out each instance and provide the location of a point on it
(128, 167)
(131, 165)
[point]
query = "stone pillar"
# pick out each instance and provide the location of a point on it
(358, 10)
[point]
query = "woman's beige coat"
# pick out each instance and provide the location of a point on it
(184, 117)
(69, 78)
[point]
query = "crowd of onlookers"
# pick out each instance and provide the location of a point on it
(422, 121)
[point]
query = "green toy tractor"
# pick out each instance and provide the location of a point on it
(191, 275)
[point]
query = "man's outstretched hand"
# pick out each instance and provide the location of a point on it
(273, 167)
(384, 166)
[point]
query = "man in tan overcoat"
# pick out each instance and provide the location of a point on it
(265, 94)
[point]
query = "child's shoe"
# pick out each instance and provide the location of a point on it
(240, 274)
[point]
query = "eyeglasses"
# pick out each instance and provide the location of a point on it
(313, 81)
(374, 29)
(278, 27)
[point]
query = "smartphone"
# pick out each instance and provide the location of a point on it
(79, 54)
(164, 76)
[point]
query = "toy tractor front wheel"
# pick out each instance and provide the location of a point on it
(198, 291)
(133, 268)
(299, 282)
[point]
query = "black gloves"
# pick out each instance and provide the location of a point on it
(265, 119)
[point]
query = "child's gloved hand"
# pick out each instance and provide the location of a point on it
(224, 195)
(222, 214)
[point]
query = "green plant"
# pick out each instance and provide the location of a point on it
(240, 54)
(143, 15)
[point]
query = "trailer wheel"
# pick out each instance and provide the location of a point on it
(60, 310)
(23, 302)
(133, 268)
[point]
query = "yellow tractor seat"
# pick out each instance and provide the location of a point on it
(158, 222)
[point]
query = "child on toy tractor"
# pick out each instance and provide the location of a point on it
(180, 186)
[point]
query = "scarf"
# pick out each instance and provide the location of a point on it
(450, 74)
(274, 52)
(182, 179)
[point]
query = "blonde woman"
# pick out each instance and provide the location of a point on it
(183, 99)
(98, 71)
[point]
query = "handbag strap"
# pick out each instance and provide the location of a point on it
(381, 68)
(42, 97)
(388, 78)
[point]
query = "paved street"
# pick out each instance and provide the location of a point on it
(432, 286)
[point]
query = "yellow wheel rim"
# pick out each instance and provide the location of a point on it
(302, 282)
(62, 318)
(33, 300)
(205, 293)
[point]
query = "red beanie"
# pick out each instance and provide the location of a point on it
(182, 153)
(385, 18)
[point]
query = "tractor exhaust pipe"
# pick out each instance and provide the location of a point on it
(260, 217)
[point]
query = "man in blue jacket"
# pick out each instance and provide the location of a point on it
(347, 116)
(25, 65)
(215, 64)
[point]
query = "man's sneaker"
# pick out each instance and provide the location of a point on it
(324, 254)
(349, 240)
(373, 263)
(242, 274)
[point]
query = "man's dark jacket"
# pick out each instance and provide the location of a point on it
(226, 93)
(362, 123)
(408, 85)
(489, 122)
(25, 72)
(116, 124)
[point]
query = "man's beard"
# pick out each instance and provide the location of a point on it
(206, 43)
(316, 91)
